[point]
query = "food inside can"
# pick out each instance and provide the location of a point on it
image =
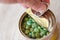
(33, 30)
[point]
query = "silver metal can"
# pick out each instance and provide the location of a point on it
(52, 26)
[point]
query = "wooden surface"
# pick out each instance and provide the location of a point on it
(10, 15)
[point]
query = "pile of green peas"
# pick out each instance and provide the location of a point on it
(32, 29)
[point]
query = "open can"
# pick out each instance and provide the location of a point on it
(52, 26)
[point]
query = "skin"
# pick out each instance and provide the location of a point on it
(37, 5)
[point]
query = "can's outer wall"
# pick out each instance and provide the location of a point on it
(54, 35)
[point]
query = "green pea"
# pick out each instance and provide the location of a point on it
(42, 33)
(45, 29)
(36, 30)
(31, 29)
(34, 25)
(27, 26)
(37, 35)
(30, 34)
(33, 34)
(39, 27)
(26, 31)
(29, 22)
(26, 19)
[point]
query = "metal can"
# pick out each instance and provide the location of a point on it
(52, 26)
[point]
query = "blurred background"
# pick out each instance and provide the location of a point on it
(10, 14)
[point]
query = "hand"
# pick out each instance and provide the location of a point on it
(37, 5)
(34, 4)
